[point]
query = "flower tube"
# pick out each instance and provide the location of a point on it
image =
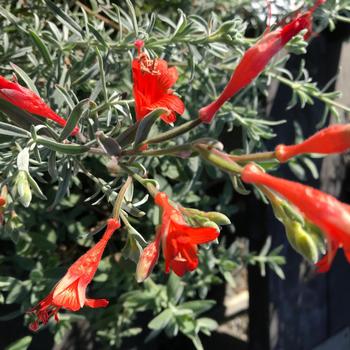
(334, 139)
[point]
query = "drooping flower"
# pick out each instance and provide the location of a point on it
(333, 139)
(256, 58)
(70, 292)
(29, 101)
(153, 80)
(180, 240)
(323, 210)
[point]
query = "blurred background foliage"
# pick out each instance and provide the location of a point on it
(76, 50)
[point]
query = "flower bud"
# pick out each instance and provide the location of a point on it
(301, 241)
(147, 260)
(209, 223)
(198, 215)
(218, 218)
(23, 188)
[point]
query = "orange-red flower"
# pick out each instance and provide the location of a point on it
(179, 240)
(334, 139)
(70, 292)
(152, 82)
(29, 101)
(325, 211)
(257, 57)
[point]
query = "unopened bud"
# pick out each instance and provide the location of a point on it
(318, 236)
(211, 224)
(301, 241)
(198, 215)
(148, 259)
(23, 188)
(218, 218)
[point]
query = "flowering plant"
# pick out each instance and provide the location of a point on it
(104, 114)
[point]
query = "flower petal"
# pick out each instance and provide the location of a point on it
(68, 298)
(179, 267)
(64, 283)
(197, 235)
(95, 303)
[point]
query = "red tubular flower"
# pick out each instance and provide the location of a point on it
(325, 211)
(152, 82)
(334, 139)
(2, 201)
(30, 102)
(257, 57)
(179, 240)
(70, 292)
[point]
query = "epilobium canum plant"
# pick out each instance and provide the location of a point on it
(103, 122)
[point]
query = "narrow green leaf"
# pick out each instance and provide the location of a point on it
(161, 321)
(64, 18)
(133, 17)
(110, 145)
(11, 130)
(21, 344)
(198, 306)
(35, 187)
(63, 187)
(102, 74)
(78, 111)
(71, 148)
(41, 47)
(146, 125)
(29, 82)
(97, 35)
(128, 135)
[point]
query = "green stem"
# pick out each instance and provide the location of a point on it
(170, 151)
(219, 159)
(253, 157)
(173, 132)
(119, 201)
(343, 18)
(315, 94)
